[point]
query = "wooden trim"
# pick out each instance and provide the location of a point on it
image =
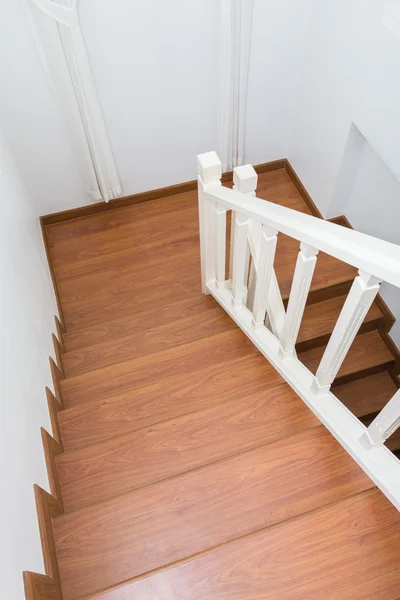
(40, 587)
(180, 188)
(51, 448)
(52, 273)
(57, 376)
(302, 190)
(54, 408)
(48, 508)
(60, 333)
(58, 351)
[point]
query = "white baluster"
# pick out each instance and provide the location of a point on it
(303, 273)
(239, 266)
(264, 274)
(386, 422)
(358, 302)
(220, 244)
(244, 181)
(209, 171)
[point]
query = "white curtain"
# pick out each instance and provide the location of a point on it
(235, 23)
(64, 55)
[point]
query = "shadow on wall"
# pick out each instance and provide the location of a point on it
(368, 193)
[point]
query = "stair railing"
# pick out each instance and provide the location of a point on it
(250, 294)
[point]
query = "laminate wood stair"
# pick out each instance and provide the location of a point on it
(190, 469)
(162, 523)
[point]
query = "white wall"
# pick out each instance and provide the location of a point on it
(27, 306)
(349, 75)
(31, 119)
(155, 67)
(278, 39)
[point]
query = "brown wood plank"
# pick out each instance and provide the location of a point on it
(368, 353)
(145, 530)
(136, 459)
(368, 394)
(123, 376)
(159, 313)
(347, 551)
(144, 342)
(320, 318)
(165, 399)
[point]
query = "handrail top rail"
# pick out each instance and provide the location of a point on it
(367, 253)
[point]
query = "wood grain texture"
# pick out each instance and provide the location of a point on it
(160, 313)
(165, 399)
(347, 551)
(51, 449)
(56, 376)
(40, 587)
(166, 522)
(48, 507)
(124, 376)
(153, 339)
(58, 350)
(367, 355)
(367, 395)
(123, 463)
(320, 319)
(54, 410)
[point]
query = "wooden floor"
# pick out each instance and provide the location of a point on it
(190, 469)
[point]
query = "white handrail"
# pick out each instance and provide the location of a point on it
(255, 226)
(375, 256)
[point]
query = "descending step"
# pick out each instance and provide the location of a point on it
(165, 399)
(320, 318)
(136, 459)
(124, 294)
(157, 313)
(118, 378)
(160, 524)
(154, 339)
(368, 394)
(324, 554)
(142, 228)
(368, 354)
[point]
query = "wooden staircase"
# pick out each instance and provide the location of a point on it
(190, 469)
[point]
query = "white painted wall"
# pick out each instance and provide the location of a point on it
(155, 67)
(348, 76)
(278, 42)
(27, 306)
(31, 119)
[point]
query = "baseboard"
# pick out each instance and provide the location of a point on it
(57, 376)
(40, 587)
(54, 408)
(52, 273)
(302, 190)
(48, 507)
(51, 448)
(60, 333)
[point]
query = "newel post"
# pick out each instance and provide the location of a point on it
(244, 181)
(209, 171)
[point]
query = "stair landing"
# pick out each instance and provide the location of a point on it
(190, 469)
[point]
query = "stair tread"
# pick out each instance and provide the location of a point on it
(367, 351)
(133, 460)
(368, 394)
(320, 318)
(347, 550)
(144, 342)
(164, 399)
(147, 529)
(117, 378)
(159, 313)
